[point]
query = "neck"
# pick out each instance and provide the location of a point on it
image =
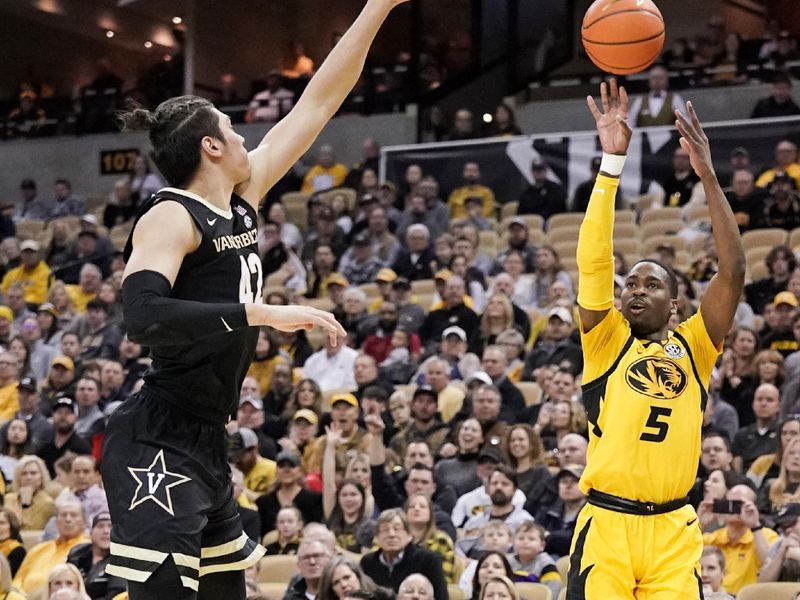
(573, 505)
(523, 464)
(61, 438)
(99, 554)
(312, 585)
(216, 190)
(656, 336)
(764, 422)
(736, 531)
(423, 425)
(502, 510)
(26, 412)
(418, 531)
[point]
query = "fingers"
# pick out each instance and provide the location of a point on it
(623, 100)
(604, 96)
(624, 124)
(614, 92)
(695, 119)
(593, 108)
(686, 128)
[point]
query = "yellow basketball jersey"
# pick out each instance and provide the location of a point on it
(645, 402)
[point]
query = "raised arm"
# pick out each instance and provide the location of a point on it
(154, 318)
(285, 143)
(725, 288)
(595, 254)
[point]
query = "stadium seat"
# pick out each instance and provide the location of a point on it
(455, 593)
(697, 213)
(562, 595)
(533, 591)
(349, 193)
(29, 229)
(321, 303)
(562, 234)
(73, 224)
(769, 591)
(509, 209)
(31, 537)
(530, 391)
(370, 289)
(566, 248)
(665, 213)
(643, 203)
(651, 243)
(625, 215)
(763, 237)
(277, 569)
(758, 271)
(269, 537)
(296, 208)
(663, 227)
(273, 591)
(423, 286)
(409, 389)
(571, 219)
(562, 564)
(757, 255)
(628, 246)
(570, 263)
(488, 238)
(794, 238)
(626, 230)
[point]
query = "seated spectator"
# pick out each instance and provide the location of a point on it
(27, 119)
(28, 499)
(422, 525)
(414, 262)
(91, 560)
(358, 264)
(504, 284)
(385, 245)
(544, 197)
(715, 488)
(682, 186)
(306, 396)
(548, 270)
(425, 424)
(712, 563)
(504, 123)
(660, 104)
(65, 582)
(345, 508)
(580, 198)
(65, 438)
(463, 126)
(783, 489)
(492, 564)
(259, 472)
(560, 518)
(454, 313)
(324, 232)
(497, 318)
(313, 555)
(343, 576)
(84, 486)
(31, 207)
(11, 547)
(267, 355)
(325, 174)
(289, 525)
(525, 454)
(474, 217)
(461, 470)
(471, 189)
(744, 541)
(415, 587)
(780, 102)
(396, 548)
(529, 560)
(90, 416)
(738, 373)
(767, 466)
(272, 104)
(783, 560)
(90, 279)
(295, 64)
(289, 489)
(747, 201)
(780, 263)
(555, 345)
(65, 203)
(331, 367)
(344, 412)
(9, 591)
(783, 209)
(786, 161)
(33, 274)
(16, 441)
(761, 437)
(33, 573)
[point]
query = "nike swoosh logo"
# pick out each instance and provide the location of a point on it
(211, 222)
(598, 191)
(688, 523)
(227, 327)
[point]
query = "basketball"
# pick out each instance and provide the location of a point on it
(623, 36)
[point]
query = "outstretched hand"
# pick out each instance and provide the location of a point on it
(694, 141)
(612, 124)
(296, 317)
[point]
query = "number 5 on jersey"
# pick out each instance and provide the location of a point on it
(655, 421)
(250, 267)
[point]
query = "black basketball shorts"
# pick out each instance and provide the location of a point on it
(170, 493)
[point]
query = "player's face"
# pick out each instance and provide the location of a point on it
(712, 573)
(646, 299)
(344, 581)
(236, 157)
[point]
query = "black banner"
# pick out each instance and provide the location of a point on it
(505, 163)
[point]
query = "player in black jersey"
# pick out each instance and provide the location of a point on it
(192, 293)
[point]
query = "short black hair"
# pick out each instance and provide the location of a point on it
(507, 472)
(672, 279)
(718, 433)
(375, 392)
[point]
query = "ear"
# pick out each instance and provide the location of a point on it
(211, 146)
(673, 310)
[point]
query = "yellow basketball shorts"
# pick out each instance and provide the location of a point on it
(618, 556)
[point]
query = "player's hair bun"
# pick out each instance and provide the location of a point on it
(137, 119)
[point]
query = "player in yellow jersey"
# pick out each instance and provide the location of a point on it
(644, 388)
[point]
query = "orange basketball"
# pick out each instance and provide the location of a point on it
(623, 36)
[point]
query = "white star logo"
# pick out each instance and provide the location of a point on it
(157, 481)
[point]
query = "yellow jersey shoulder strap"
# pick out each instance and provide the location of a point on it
(688, 348)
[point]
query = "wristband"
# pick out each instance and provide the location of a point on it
(612, 164)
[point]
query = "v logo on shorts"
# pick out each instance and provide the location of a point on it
(158, 483)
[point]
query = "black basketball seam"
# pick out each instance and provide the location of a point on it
(622, 12)
(605, 65)
(647, 39)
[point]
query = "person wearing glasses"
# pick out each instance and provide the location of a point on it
(312, 558)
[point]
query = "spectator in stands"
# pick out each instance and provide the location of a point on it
(747, 201)
(28, 498)
(783, 560)
(91, 560)
(454, 313)
(783, 489)
(463, 126)
(143, 181)
(415, 587)
(325, 174)
(425, 424)
(786, 161)
(289, 526)
(36, 424)
(64, 582)
(783, 210)
(345, 506)
(27, 119)
(544, 197)
(370, 159)
(313, 555)
(780, 337)
(295, 64)
(33, 274)
(398, 556)
(411, 314)
(682, 186)
(778, 104)
(60, 378)
(559, 518)
(289, 489)
(744, 540)
(324, 233)
(712, 563)
(359, 265)
(259, 472)
(289, 233)
(70, 523)
(767, 466)
(419, 211)
(344, 411)
(9, 380)
(121, 206)
(11, 548)
(414, 261)
(471, 189)
(420, 514)
(555, 345)
(378, 343)
(343, 579)
(65, 203)
(789, 392)
(738, 372)
(65, 438)
(525, 453)
(518, 240)
(760, 437)
(99, 337)
(548, 270)
(780, 263)
(660, 104)
(385, 245)
(32, 207)
(784, 49)
(504, 122)
(90, 416)
(580, 199)
(272, 104)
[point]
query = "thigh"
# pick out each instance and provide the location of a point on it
(600, 562)
(226, 585)
(165, 582)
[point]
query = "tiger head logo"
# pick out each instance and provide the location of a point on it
(657, 377)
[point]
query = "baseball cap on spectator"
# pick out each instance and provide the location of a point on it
(454, 330)
(100, 517)
(49, 308)
(481, 376)
(90, 219)
(740, 151)
(785, 298)
(537, 164)
(401, 283)
(347, 398)
(27, 184)
(783, 177)
(388, 185)
(27, 383)
(425, 390)
(306, 415)
(518, 221)
(490, 454)
(6, 313)
(575, 471)
(65, 402)
(560, 312)
(338, 279)
(287, 457)
(241, 441)
(64, 362)
(386, 275)
(362, 240)
(443, 274)
(31, 245)
(787, 516)
(255, 401)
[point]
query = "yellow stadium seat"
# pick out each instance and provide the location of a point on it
(273, 591)
(28, 229)
(488, 238)
(533, 591)
(509, 209)
(626, 230)
(536, 236)
(455, 593)
(643, 203)
(628, 246)
(763, 237)
(757, 255)
(571, 219)
(758, 271)
(769, 591)
(277, 569)
(794, 238)
(349, 193)
(423, 286)
(370, 289)
(562, 564)
(530, 391)
(566, 248)
(269, 537)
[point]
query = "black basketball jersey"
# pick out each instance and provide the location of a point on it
(206, 376)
